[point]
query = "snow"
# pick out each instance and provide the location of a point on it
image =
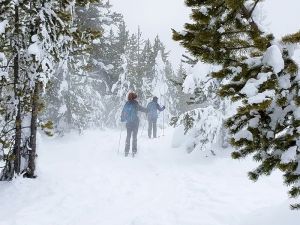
(63, 86)
(259, 15)
(195, 75)
(3, 25)
(221, 30)
(83, 181)
(178, 136)
(261, 97)
(204, 10)
(285, 81)
(243, 134)
(253, 61)
(289, 155)
(251, 87)
(254, 122)
(273, 58)
(34, 49)
(62, 109)
(97, 41)
(205, 134)
(297, 113)
(2, 57)
(189, 84)
(3, 72)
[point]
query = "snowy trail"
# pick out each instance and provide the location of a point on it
(83, 181)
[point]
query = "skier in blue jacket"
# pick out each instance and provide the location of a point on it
(152, 112)
(130, 116)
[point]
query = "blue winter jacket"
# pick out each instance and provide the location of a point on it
(152, 110)
(137, 107)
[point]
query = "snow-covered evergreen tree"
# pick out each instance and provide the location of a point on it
(159, 84)
(259, 72)
(7, 93)
(76, 88)
(36, 36)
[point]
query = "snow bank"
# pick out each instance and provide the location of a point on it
(178, 137)
(277, 214)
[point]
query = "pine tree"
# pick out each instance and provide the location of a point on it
(133, 54)
(260, 73)
(176, 80)
(104, 52)
(71, 89)
(176, 102)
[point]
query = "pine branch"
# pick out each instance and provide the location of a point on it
(253, 8)
(247, 15)
(10, 130)
(239, 48)
(236, 32)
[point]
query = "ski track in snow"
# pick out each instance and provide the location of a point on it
(83, 181)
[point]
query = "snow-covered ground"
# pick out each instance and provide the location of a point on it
(83, 181)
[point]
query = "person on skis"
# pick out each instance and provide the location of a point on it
(152, 115)
(130, 116)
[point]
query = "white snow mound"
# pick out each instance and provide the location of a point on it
(273, 58)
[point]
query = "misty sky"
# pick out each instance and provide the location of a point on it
(159, 16)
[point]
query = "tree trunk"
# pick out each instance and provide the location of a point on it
(33, 131)
(18, 134)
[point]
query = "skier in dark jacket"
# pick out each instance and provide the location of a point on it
(152, 114)
(130, 116)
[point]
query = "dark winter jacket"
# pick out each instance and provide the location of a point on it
(152, 109)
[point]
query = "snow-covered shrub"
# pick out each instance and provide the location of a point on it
(202, 128)
(204, 123)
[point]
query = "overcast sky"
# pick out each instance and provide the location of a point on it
(159, 16)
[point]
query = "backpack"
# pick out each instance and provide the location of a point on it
(152, 111)
(129, 113)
